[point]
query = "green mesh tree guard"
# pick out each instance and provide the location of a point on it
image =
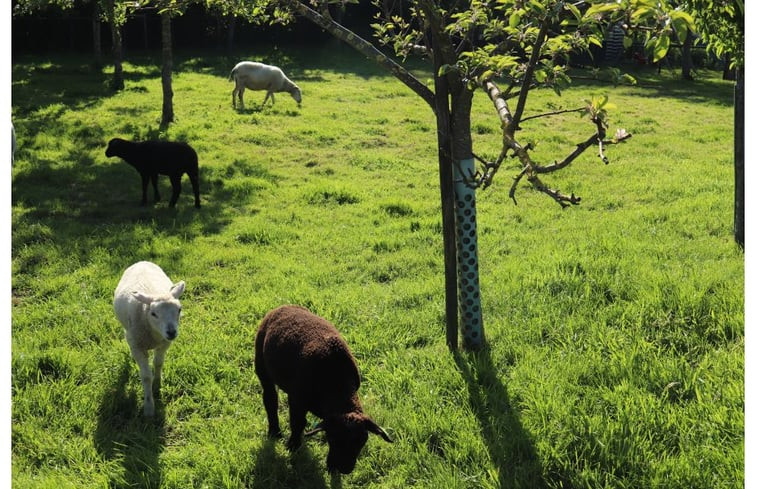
(467, 258)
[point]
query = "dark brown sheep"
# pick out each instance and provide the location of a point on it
(305, 356)
(153, 158)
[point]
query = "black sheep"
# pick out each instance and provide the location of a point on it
(153, 158)
(305, 356)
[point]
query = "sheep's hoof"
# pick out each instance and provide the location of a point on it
(275, 435)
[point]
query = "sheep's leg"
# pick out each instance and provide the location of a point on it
(176, 189)
(270, 400)
(154, 179)
(145, 180)
(267, 94)
(160, 356)
(234, 98)
(194, 178)
(240, 92)
(142, 359)
(297, 422)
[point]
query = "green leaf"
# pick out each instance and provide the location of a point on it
(641, 12)
(536, 6)
(661, 47)
(595, 40)
(514, 19)
(629, 79)
(681, 16)
(574, 10)
(601, 8)
(681, 29)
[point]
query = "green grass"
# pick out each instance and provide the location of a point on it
(615, 328)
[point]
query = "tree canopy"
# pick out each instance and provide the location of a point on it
(721, 24)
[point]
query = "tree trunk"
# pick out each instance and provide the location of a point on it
(469, 292)
(446, 185)
(115, 31)
(738, 153)
(97, 51)
(686, 61)
(230, 33)
(456, 133)
(145, 32)
(728, 72)
(165, 21)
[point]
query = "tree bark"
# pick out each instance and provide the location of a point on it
(738, 153)
(165, 20)
(97, 51)
(446, 186)
(118, 70)
(145, 31)
(230, 33)
(115, 33)
(686, 61)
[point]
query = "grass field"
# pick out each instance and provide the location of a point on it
(615, 328)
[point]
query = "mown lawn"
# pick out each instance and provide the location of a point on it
(615, 328)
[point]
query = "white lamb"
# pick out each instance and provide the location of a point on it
(258, 76)
(147, 304)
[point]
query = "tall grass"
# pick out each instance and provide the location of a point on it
(615, 328)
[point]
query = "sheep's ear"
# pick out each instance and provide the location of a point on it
(177, 289)
(318, 428)
(143, 298)
(371, 426)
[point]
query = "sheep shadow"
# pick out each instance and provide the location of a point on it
(122, 432)
(513, 455)
(300, 469)
(254, 109)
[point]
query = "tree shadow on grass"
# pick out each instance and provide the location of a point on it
(123, 433)
(509, 444)
(300, 469)
(703, 90)
(84, 202)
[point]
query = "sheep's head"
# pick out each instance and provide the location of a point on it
(114, 147)
(163, 311)
(346, 435)
(296, 94)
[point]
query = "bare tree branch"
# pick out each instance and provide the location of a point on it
(549, 114)
(365, 48)
(516, 181)
(500, 105)
(530, 68)
(560, 198)
(441, 39)
(580, 148)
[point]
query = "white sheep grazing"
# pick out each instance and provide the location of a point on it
(258, 76)
(147, 304)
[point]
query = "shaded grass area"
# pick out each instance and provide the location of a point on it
(615, 328)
